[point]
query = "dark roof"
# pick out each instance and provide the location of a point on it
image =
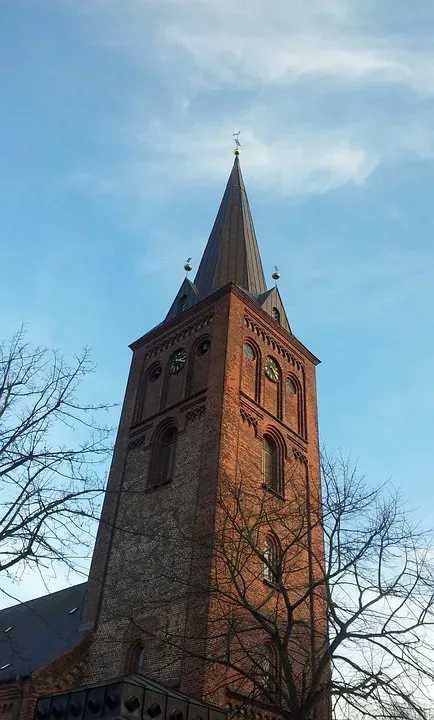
(41, 630)
(232, 253)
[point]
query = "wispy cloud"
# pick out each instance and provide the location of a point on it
(316, 87)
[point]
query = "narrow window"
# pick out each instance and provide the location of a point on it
(168, 447)
(140, 660)
(135, 661)
(271, 560)
(269, 463)
(269, 672)
(275, 314)
(163, 457)
(182, 304)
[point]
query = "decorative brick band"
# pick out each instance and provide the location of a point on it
(184, 332)
(193, 414)
(299, 455)
(136, 443)
(254, 327)
(250, 415)
(249, 418)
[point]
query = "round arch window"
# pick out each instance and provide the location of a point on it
(203, 347)
(182, 304)
(290, 386)
(155, 373)
(248, 352)
(275, 314)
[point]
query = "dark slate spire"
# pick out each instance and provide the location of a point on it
(232, 253)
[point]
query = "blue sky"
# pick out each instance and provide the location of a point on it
(116, 142)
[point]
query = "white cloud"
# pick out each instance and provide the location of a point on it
(231, 41)
(309, 83)
(281, 57)
(297, 162)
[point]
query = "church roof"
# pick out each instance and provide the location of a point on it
(34, 633)
(232, 253)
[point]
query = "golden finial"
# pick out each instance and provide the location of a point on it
(237, 143)
(188, 266)
(276, 274)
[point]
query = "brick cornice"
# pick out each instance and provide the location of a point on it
(273, 327)
(193, 314)
(180, 322)
(181, 406)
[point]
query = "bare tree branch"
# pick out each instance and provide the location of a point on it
(53, 450)
(352, 578)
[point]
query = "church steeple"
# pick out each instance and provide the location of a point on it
(232, 253)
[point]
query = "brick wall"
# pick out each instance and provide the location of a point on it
(252, 406)
(143, 553)
(151, 567)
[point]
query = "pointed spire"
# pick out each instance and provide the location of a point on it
(232, 253)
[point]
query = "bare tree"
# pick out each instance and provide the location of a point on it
(52, 453)
(379, 578)
(312, 606)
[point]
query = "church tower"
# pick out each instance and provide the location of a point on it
(220, 394)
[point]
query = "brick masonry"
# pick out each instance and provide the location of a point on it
(222, 403)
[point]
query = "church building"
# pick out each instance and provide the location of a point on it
(220, 403)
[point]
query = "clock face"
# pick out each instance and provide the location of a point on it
(177, 361)
(272, 369)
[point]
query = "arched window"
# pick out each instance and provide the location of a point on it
(135, 662)
(168, 448)
(273, 454)
(251, 370)
(140, 659)
(294, 405)
(291, 387)
(271, 560)
(269, 669)
(163, 457)
(182, 304)
(270, 463)
(249, 352)
(275, 314)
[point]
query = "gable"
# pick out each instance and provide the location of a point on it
(270, 300)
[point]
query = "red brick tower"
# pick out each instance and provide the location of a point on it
(220, 391)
